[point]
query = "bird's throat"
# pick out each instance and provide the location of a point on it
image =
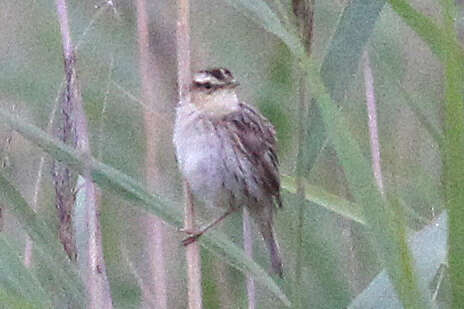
(217, 104)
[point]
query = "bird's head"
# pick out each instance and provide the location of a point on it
(213, 90)
(213, 79)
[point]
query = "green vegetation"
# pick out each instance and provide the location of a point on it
(400, 245)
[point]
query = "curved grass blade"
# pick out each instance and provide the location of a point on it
(383, 216)
(327, 200)
(453, 154)
(50, 255)
(391, 242)
(429, 249)
(112, 180)
(439, 42)
(260, 12)
(345, 50)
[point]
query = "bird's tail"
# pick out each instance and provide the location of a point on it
(268, 234)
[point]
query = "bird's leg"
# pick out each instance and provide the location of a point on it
(195, 235)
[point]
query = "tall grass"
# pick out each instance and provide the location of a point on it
(359, 246)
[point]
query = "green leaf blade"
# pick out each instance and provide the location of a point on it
(126, 187)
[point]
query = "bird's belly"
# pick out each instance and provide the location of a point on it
(201, 157)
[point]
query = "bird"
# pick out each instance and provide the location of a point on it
(227, 153)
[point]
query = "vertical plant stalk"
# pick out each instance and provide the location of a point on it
(410, 292)
(28, 247)
(97, 283)
(300, 189)
(248, 247)
(192, 252)
(64, 179)
(304, 12)
(184, 75)
(372, 121)
(184, 78)
(155, 233)
(453, 155)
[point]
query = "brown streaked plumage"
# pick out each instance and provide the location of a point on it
(227, 153)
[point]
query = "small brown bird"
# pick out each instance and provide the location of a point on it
(227, 153)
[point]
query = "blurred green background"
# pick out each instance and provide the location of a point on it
(355, 248)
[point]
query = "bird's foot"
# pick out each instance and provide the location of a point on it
(193, 235)
(191, 239)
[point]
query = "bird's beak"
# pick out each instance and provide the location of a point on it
(234, 83)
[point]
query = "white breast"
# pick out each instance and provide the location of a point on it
(208, 160)
(199, 154)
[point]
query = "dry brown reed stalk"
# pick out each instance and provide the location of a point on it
(75, 123)
(183, 80)
(27, 260)
(155, 233)
(372, 121)
(64, 179)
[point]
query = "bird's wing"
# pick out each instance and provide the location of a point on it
(255, 138)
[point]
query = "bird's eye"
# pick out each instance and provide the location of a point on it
(207, 85)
